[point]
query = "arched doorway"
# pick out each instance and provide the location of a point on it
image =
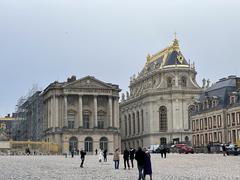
(88, 144)
(73, 144)
(103, 143)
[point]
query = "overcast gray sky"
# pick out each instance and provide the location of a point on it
(46, 40)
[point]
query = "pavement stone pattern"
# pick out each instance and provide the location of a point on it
(174, 167)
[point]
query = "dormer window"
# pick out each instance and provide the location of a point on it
(232, 99)
(184, 81)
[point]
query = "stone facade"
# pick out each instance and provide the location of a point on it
(156, 111)
(216, 118)
(82, 114)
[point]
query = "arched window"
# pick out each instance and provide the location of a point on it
(71, 119)
(125, 124)
(191, 109)
(129, 124)
(73, 144)
(163, 118)
(86, 119)
(186, 138)
(103, 143)
(133, 116)
(169, 82)
(138, 122)
(88, 144)
(163, 140)
(100, 119)
(184, 81)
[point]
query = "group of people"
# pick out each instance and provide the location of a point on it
(102, 155)
(142, 156)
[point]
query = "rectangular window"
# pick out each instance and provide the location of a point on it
(215, 136)
(205, 123)
(228, 120)
(210, 137)
(197, 125)
(220, 137)
(214, 122)
(229, 136)
(86, 120)
(202, 140)
(129, 125)
(142, 120)
(238, 118)
(233, 119)
(210, 122)
(219, 120)
(193, 125)
(206, 138)
(201, 124)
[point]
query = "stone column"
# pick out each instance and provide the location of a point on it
(116, 113)
(56, 112)
(95, 111)
(80, 111)
(48, 114)
(52, 112)
(65, 111)
(110, 111)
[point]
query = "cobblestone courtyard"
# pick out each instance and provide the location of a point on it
(175, 166)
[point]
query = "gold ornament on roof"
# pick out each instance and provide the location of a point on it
(180, 59)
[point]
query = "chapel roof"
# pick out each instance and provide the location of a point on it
(171, 56)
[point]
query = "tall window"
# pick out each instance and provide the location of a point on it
(214, 122)
(163, 140)
(125, 124)
(184, 81)
(103, 143)
(169, 82)
(129, 124)
(210, 122)
(133, 116)
(100, 119)
(219, 120)
(191, 109)
(73, 144)
(163, 118)
(71, 119)
(138, 122)
(142, 118)
(86, 119)
(88, 144)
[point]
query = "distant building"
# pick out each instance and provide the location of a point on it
(29, 116)
(82, 114)
(6, 124)
(157, 109)
(216, 117)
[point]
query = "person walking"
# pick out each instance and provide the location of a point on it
(140, 157)
(116, 159)
(82, 153)
(72, 152)
(165, 151)
(147, 164)
(105, 155)
(95, 151)
(224, 149)
(100, 156)
(126, 158)
(132, 154)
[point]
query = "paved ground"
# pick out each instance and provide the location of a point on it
(175, 166)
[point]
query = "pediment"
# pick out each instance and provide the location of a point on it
(88, 82)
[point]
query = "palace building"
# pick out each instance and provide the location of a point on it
(82, 114)
(216, 118)
(157, 109)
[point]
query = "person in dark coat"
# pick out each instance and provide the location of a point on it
(147, 164)
(105, 155)
(126, 158)
(140, 157)
(224, 150)
(96, 152)
(72, 153)
(82, 153)
(132, 153)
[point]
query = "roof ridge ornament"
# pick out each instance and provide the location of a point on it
(175, 44)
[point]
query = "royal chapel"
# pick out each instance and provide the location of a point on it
(157, 109)
(82, 114)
